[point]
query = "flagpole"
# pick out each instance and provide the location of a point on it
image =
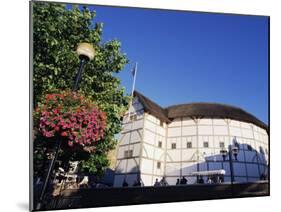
(133, 88)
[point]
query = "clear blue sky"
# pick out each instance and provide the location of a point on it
(188, 57)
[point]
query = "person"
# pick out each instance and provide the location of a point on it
(125, 184)
(201, 180)
(137, 183)
(157, 183)
(163, 182)
(183, 181)
(221, 179)
(209, 181)
(178, 181)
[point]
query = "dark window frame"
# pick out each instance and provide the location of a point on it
(222, 144)
(158, 165)
(206, 144)
(188, 145)
(133, 117)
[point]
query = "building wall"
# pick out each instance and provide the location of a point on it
(153, 154)
(188, 145)
(252, 156)
(130, 139)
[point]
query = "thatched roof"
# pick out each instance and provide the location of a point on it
(152, 108)
(206, 110)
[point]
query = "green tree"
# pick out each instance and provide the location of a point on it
(56, 32)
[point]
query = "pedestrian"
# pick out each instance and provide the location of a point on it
(184, 180)
(178, 181)
(163, 182)
(201, 180)
(137, 183)
(157, 183)
(125, 184)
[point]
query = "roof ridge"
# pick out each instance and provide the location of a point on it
(207, 109)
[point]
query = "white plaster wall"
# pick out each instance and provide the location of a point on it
(175, 131)
(234, 123)
(189, 130)
(121, 150)
(159, 154)
(183, 160)
(132, 165)
(149, 137)
(148, 151)
(205, 130)
(146, 166)
(173, 169)
(173, 155)
(147, 180)
(121, 166)
(135, 136)
(220, 130)
(124, 139)
(187, 121)
(159, 171)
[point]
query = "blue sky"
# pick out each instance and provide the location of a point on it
(188, 57)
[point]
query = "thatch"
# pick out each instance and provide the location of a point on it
(152, 108)
(206, 110)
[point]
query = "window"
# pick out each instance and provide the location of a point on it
(249, 147)
(161, 123)
(188, 145)
(174, 145)
(206, 144)
(160, 144)
(222, 145)
(128, 153)
(158, 165)
(133, 117)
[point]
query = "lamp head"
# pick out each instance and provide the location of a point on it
(85, 50)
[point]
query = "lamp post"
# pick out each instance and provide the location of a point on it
(232, 150)
(86, 52)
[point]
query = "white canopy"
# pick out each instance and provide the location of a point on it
(208, 173)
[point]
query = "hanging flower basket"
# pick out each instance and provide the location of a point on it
(73, 117)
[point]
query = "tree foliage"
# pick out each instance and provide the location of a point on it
(57, 29)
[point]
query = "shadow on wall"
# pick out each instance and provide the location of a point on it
(250, 165)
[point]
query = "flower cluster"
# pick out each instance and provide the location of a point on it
(71, 116)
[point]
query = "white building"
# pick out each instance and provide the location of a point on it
(183, 139)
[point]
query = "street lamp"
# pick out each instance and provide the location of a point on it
(86, 52)
(232, 151)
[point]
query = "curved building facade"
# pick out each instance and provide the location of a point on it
(186, 139)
